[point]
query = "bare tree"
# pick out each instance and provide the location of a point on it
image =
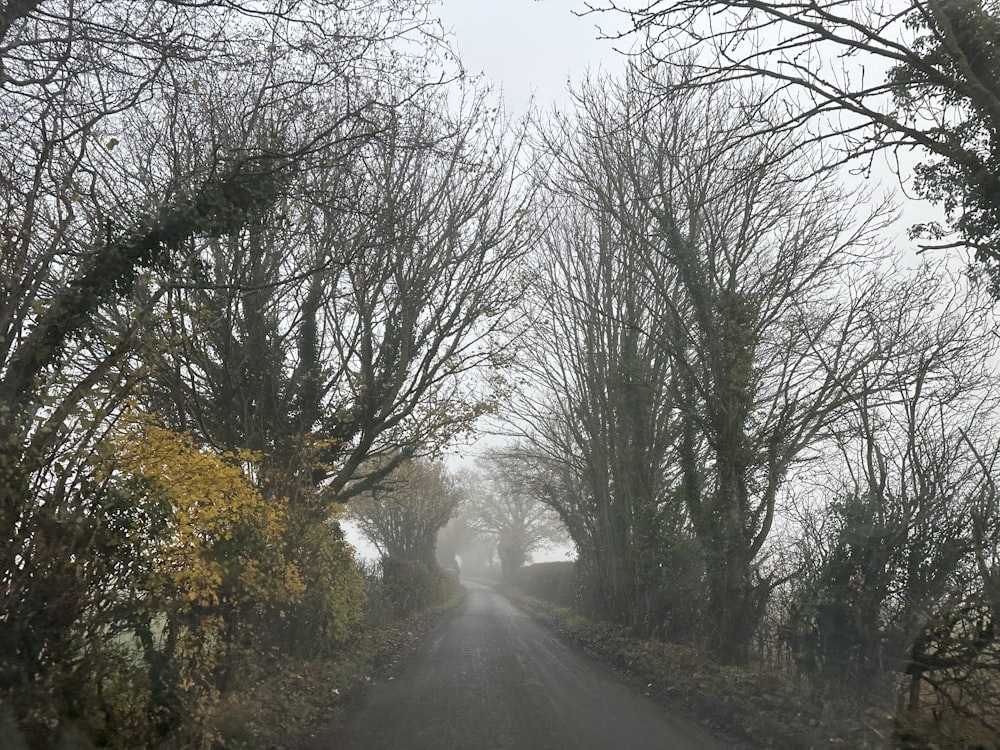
(403, 514)
(135, 134)
(875, 76)
(603, 425)
(369, 315)
(749, 263)
(890, 556)
(502, 501)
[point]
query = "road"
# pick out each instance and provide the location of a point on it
(488, 676)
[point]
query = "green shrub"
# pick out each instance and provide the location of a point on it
(379, 609)
(411, 586)
(554, 582)
(332, 605)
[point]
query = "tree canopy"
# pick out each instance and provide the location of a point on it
(870, 78)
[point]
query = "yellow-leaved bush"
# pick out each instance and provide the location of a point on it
(219, 542)
(226, 561)
(208, 568)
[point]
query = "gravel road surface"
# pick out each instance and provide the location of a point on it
(488, 676)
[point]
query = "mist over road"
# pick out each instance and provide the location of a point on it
(488, 676)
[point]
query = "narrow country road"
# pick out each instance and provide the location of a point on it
(489, 677)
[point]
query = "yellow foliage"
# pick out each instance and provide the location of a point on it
(219, 540)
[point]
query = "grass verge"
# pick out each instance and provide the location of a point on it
(282, 708)
(750, 708)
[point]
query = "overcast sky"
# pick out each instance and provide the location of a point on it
(531, 48)
(528, 47)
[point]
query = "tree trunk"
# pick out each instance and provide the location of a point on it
(734, 604)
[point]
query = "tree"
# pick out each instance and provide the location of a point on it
(205, 557)
(459, 539)
(403, 514)
(891, 554)
(462, 548)
(877, 76)
(602, 428)
(88, 207)
(362, 320)
(134, 135)
(501, 500)
(758, 316)
(367, 315)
